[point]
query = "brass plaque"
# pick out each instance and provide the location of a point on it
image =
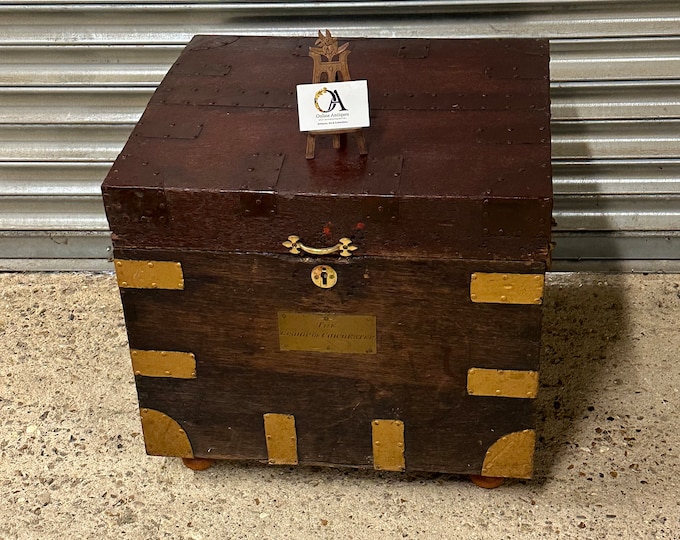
(281, 437)
(507, 288)
(327, 332)
(502, 383)
(388, 445)
(149, 274)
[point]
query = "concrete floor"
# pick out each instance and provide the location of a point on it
(73, 462)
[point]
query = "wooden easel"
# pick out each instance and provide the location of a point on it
(332, 70)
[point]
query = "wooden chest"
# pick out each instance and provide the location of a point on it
(378, 311)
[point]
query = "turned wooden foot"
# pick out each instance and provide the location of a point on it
(486, 482)
(198, 464)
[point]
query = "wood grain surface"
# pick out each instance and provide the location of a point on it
(429, 334)
(457, 180)
(458, 164)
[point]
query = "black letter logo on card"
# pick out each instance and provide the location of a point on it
(327, 103)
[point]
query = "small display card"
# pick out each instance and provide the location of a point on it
(333, 106)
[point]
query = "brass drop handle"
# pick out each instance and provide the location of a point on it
(344, 246)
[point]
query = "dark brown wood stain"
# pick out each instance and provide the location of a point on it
(457, 181)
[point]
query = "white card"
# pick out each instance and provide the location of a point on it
(333, 106)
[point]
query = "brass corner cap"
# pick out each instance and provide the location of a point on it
(164, 436)
(511, 456)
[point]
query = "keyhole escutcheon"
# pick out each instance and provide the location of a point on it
(324, 276)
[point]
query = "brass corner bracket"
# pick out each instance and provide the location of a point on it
(170, 364)
(281, 437)
(388, 445)
(507, 288)
(508, 383)
(133, 274)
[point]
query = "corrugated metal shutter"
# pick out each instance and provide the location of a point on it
(74, 78)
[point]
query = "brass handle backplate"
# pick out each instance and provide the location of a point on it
(344, 246)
